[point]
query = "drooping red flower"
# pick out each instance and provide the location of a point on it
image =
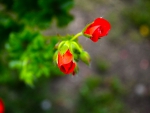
(97, 29)
(66, 63)
(1, 106)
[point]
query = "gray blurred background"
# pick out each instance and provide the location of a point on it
(118, 78)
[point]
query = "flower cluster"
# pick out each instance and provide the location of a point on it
(69, 52)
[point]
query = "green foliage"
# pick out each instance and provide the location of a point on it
(7, 25)
(101, 96)
(32, 54)
(24, 49)
(103, 65)
(40, 12)
(137, 14)
(19, 98)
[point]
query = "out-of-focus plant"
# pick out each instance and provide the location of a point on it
(40, 12)
(102, 65)
(22, 46)
(137, 14)
(20, 98)
(101, 95)
(32, 54)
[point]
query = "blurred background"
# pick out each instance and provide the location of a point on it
(118, 79)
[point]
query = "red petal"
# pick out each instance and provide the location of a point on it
(64, 59)
(72, 67)
(60, 60)
(103, 23)
(68, 68)
(67, 57)
(90, 30)
(1, 106)
(103, 31)
(73, 73)
(95, 35)
(63, 69)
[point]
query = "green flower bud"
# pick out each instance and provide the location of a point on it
(85, 57)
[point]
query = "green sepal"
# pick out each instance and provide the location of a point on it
(60, 44)
(75, 49)
(76, 46)
(64, 47)
(85, 57)
(86, 35)
(55, 57)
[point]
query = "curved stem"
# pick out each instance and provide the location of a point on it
(76, 36)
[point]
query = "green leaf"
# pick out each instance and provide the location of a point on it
(15, 64)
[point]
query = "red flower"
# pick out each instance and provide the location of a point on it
(65, 62)
(1, 106)
(97, 29)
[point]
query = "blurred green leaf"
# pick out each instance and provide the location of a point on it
(96, 96)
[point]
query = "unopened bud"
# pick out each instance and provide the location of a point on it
(85, 57)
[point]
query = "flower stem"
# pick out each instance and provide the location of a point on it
(76, 36)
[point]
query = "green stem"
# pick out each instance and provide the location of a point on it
(76, 36)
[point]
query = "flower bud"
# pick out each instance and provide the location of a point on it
(85, 57)
(66, 63)
(97, 29)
